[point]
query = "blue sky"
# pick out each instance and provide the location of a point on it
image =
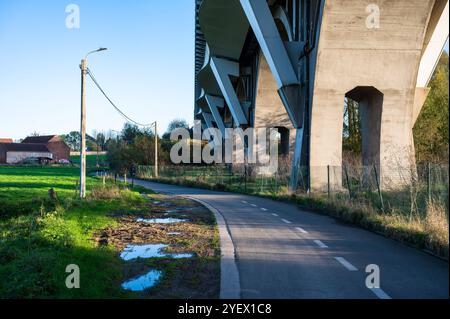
(148, 69)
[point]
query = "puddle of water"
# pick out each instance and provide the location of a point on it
(149, 251)
(143, 282)
(161, 220)
(173, 233)
(142, 251)
(181, 256)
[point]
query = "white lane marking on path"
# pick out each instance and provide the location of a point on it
(254, 205)
(286, 221)
(264, 209)
(244, 202)
(346, 264)
(301, 230)
(320, 244)
(274, 215)
(380, 293)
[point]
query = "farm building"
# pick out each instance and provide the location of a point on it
(13, 153)
(45, 148)
(54, 143)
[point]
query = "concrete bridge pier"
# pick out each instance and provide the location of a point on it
(378, 68)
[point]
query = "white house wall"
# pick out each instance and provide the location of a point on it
(16, 157)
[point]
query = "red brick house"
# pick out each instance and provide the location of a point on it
(54, 143)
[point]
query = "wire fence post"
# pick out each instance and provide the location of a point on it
(378, 188)
(348, 182)
(328, 181)
(276, 183)
(245, 178)
(429, 181)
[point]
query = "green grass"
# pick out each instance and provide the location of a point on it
(91, 160)
(24, 189)
(39, 237)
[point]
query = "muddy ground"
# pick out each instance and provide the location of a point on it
(197, 277)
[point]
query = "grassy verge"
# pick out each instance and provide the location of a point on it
(427, 229)
(91, 160)
(40, 236)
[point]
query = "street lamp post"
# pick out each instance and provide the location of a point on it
(156, 149)
(83, 68)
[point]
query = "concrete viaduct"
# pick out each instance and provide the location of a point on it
(290, 64)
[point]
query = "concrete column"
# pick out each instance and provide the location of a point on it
(386, 58)
(269, 108)
(326, 140)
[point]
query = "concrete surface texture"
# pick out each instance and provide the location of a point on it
(312, 56)
(269, 109)
(354, 57)
(283, 252)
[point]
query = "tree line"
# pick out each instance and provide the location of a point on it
(136, 146)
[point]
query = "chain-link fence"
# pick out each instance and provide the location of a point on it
(244, 178)
(385, 188)
(388, 189)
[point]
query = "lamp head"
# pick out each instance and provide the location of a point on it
(98, 50)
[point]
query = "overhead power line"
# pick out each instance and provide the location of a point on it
(129, 119)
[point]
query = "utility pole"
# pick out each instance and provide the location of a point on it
(84, 69)
(83, 130)
(156, 149)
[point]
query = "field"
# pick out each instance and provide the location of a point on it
(91, 160)
(40, 235)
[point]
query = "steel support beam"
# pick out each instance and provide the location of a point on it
(208, 119)
(222, 70)
(284, 71)
(434, 48)
(214, 104)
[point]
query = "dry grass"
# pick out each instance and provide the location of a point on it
(436, 226)
(407, 216)
(105, 192)
(430, 232)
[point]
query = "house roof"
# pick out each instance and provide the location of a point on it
(24, 147)
(6, 140)
(39, 139)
